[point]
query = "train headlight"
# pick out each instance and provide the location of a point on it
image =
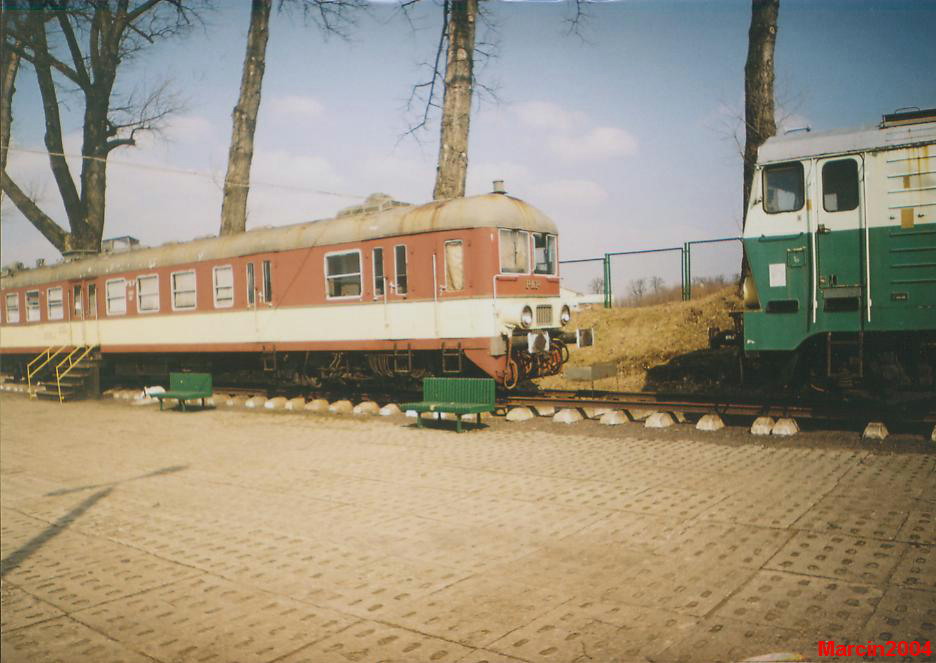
(526, 317)
(565, 315)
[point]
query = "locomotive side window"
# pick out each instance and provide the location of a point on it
(399, 252)
(77, 306)
(223, 286)
(840, 185)
(55, 304)
(148, 293)
(378, 273)
(116, 297)
(32, 306)
(783, 186)
(251, 285)
(343, 274)
(454, 265)
(12, 308)
(514, 251)
(544, 253)
(267, 282)
(183, 290)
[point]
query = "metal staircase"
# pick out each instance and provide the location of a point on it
(65, 373)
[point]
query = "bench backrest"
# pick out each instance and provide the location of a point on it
(459, 390)
(190, 382)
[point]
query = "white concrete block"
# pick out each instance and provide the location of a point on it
(710, 422)
(412, 413)
(545, 410)
(614, 418)
(255, 402)
(659, 420)
(429, 415)
(595, 412)
(679, 417)
(762, 426)
(389, 409)
(235, 401)
(785, 426)
(875, 430)
(933, 435)
(567, 416)
(276, 403)
(296, 404)
(316, 405)
(341, 407)
(366, 408)
(520, 414)
(448, 416)
(639, 414)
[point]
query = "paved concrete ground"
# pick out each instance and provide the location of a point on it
(134, 535)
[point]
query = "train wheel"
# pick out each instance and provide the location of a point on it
(512, 374)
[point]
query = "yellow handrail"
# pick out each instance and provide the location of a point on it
(72, 362)
(48, 356)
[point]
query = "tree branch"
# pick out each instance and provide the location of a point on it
(43, 223)
(76, 53)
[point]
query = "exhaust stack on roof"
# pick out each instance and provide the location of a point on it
(499, 186)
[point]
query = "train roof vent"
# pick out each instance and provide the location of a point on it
(376, 202)
(909, 115)
(119, 244)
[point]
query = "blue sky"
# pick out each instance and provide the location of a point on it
(625, 137)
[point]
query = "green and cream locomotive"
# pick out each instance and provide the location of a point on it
(841, 241)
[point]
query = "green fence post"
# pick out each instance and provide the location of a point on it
(607, 280)
(688, 271)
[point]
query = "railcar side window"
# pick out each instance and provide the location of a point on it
(343, 274)
(400, 259)
(32, 306)
(148, 293)
(92, 300)
(514, 251)
(783, 185)
(77, 305)
(454, 265)
(116, 297)
(183, 290)
(12, 308)
(544, 253)
(378, 272)
(223, 286)
(55, 304)
(267, 282)
(840, 185)
(251, 285)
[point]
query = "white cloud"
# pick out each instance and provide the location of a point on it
(547, 115)
(294, 105)
(598, 143)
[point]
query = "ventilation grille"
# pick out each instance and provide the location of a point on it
(544, 315)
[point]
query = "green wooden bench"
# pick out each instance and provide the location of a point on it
(187, 386)
(456, 395)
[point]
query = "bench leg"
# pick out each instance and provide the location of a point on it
(419, 420)
(160, 404)
(458, 427)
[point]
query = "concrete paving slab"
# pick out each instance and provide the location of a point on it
(828, 555)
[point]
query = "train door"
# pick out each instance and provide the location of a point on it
(839, 241)
(76, 314)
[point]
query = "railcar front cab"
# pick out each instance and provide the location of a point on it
(529, 311)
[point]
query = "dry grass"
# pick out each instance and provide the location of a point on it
(659, 347)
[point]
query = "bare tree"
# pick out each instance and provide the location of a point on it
(240, 155)
(637, 289)
(596, 285)
(656, 284)
(9, 66)
(331, 17)
(452, 169)
(113, 32)
(759, 118)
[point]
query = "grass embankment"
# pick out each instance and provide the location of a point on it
(662, 347)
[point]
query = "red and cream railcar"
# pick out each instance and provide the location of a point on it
(466, 286)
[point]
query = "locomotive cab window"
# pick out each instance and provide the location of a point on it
(32, 306)
(148, 293)
(378, 273)
(116, 297)
(92, 300)
(343, 274)
(783, 188)
(514, 251)
(55, 304)
(251, 285)
(544, 253)
(12, 308)
(267, 282)
(223, 286)
(183, 290)
(77, 305)
(840, 185)
(454, 265)
(399, 252)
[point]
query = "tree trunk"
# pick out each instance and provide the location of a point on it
(759, 86)
(240, 155)
(9, 66)
(456, 104)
